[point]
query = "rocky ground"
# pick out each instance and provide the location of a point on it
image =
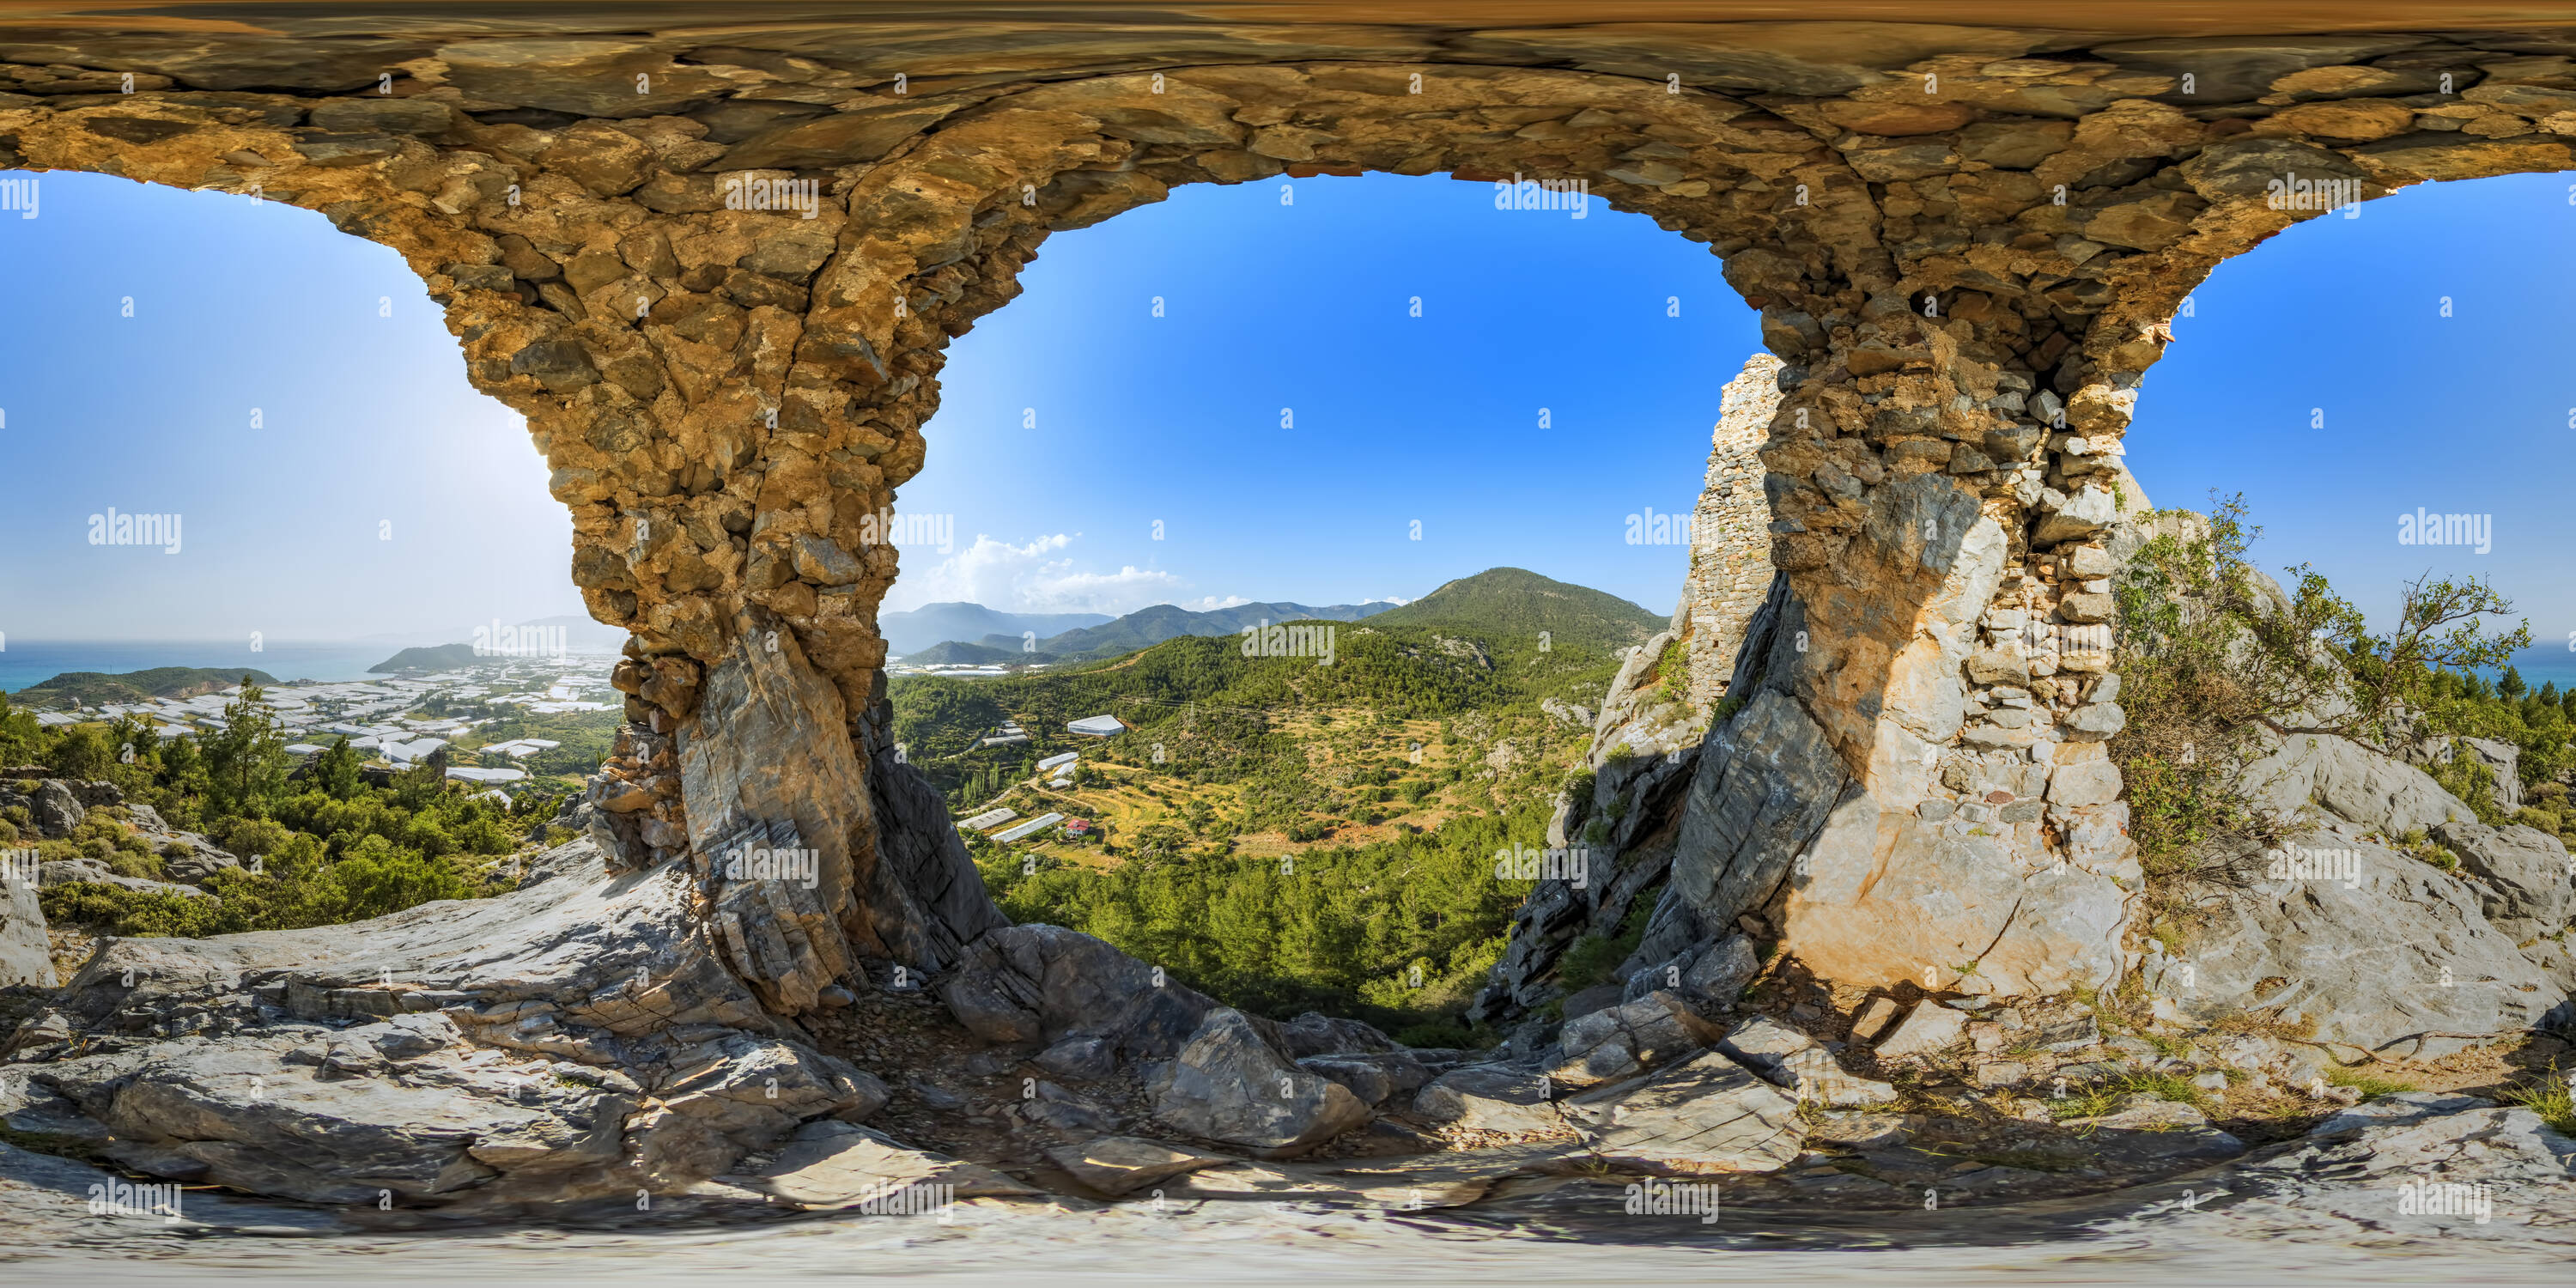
(2330, 1205)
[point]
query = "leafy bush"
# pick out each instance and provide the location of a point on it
(2216, 663)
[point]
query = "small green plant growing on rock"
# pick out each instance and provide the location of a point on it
(2550, 1099)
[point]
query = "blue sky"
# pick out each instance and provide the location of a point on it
(368, 421)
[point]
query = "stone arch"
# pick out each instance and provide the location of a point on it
(1952, 240)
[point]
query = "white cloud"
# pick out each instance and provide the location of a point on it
(1390, 599)
(1032, 578)
(1210, 603)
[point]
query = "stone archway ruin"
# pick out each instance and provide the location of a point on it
(716, 270)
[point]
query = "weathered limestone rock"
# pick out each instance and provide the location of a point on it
(1315, 1033)
(1707, 1115)
(1035, 985)
(831, 1164)
(55, 810)
(1489, 1097)
(1230, 1084)
(2526, 886)
(2427, 1139)
(1929, 1030)
(2380, 962)
(26, 955)
(1623, 1040)
(503, 1058)
(1710, 978)
(1375, 1077)
(1116, 1165)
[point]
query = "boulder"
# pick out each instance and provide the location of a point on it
(767, 745)
(2387, 1151)
(1624, 1040)
(1374, 1077)
(2526, 886)
(68, 871)
(1766, 1046)
(2315, 773)
(1315, 1033)
(1711, 978)
(1035, 985)
(1230, 1084)
(26, 954)
(1118, 1165)
(55, 810)
(1929, 1030)
(1491, 1098)
(189, 857)
(1705, 1115)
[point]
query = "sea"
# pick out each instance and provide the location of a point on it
(25, 663)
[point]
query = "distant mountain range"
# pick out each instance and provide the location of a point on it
(1493, 603)
(1112, 637)
(912, 630)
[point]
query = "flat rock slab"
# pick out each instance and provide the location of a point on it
(1707, 1115)
(1490, 1097)
(835, 1164)
(1116, 1165)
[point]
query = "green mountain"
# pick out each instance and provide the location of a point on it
(1147, 627)
(442, 657)
(1507, 606)
(90, 688)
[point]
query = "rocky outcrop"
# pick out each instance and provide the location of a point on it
(2526, 885)
(1033, 986)
(576, 1038)
(1707, 1115)
(26, 952)
(1230, 1084)
(1621, 1041)
(2371, 945)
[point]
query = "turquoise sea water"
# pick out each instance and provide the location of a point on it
(29, 662)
